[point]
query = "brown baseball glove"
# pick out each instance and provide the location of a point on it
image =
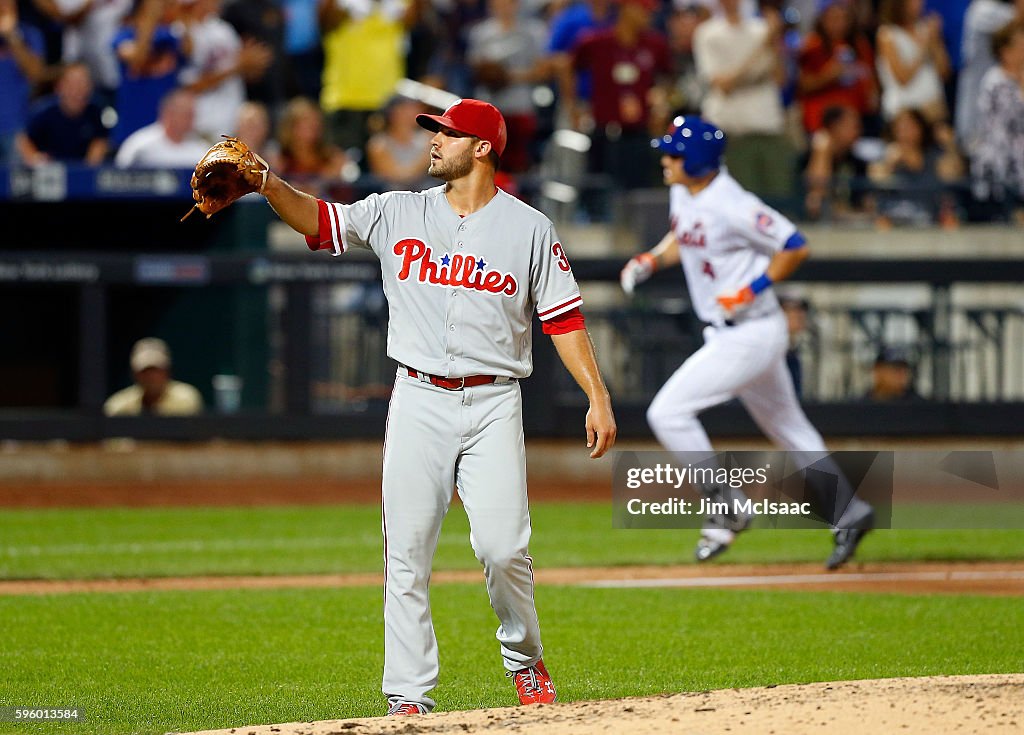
(227, 172)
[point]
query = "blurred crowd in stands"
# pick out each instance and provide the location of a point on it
(887, 111)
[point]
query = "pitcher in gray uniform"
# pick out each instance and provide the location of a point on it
(465, 267)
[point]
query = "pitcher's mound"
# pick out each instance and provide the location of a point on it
(934, 705)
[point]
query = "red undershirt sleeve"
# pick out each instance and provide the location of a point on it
(322, 240)
(570, 321)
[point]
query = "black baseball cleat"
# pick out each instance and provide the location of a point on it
(846, 542)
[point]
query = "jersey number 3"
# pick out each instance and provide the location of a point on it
(563, 262)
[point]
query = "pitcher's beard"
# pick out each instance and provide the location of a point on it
(451, 168)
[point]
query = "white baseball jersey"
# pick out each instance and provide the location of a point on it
(462, 290)
(727, 237)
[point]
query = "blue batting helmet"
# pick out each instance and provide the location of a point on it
(699, 143)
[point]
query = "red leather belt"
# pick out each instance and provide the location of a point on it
(469, 381)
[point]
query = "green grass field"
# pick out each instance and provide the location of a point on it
(177, 661)
(293, 540)
(153, 662)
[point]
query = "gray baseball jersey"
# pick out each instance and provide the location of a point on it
(462, 290)
(462, 293)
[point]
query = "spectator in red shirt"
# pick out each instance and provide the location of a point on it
(836, 66)
(626, 63)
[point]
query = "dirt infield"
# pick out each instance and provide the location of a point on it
(934, 705)
(995, 578)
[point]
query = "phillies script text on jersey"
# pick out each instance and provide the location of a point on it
(460, 270)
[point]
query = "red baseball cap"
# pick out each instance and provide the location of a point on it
(470, 117)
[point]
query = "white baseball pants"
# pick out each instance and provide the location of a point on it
(745, 361)
(471, 440)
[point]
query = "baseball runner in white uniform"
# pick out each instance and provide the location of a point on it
(732, 248)
(465, 267)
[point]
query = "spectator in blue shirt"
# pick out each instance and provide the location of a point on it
(66, 126)
(151, 54)
(567, 28)
(21, 66)
(304, 55)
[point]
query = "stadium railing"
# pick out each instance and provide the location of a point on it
(327, 375)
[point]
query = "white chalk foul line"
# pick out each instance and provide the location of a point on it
(797, 579)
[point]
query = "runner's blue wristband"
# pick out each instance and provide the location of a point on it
(760, 283)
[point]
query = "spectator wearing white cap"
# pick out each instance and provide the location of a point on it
(154, 392)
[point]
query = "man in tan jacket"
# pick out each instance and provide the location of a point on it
(154, 392)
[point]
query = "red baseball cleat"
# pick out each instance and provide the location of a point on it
(534, 685)
(400, 709)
